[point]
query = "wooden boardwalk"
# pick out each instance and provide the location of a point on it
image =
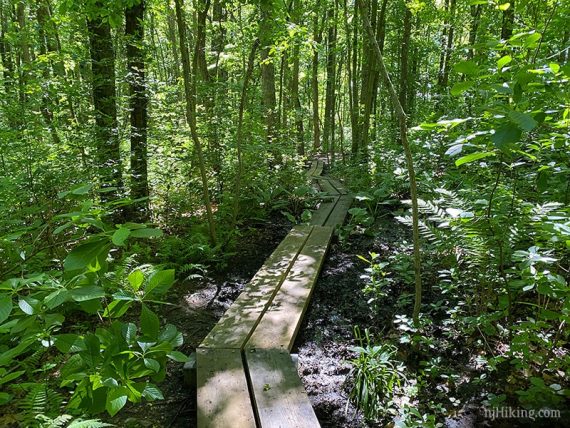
(245, 374)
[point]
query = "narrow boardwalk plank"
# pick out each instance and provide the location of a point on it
(319, 169)
(321, 215)
(235, 326)
(223, 395)
(338, 215)
(278, 394)
(327, 186)
(280, 323)
(312, 168)
(338, 186)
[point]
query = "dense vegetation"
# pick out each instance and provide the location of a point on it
(141, 139)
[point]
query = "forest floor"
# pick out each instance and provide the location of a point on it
(326, 336)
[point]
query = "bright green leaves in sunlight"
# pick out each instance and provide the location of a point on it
(459, 87)
(473, 157)
(503, 61)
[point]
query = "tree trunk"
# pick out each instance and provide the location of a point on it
(508, 22)
(105, 107)
(6, 51)
(331, 79)
(409, 161)
(294, 86)
(443, 78)
(404, 54)
(475, 12)
(138, 102)
(269, 101)
(315, 80)
(190, 95)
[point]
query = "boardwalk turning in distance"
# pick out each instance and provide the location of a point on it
(245, 374)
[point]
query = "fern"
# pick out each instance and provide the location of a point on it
(39, 400)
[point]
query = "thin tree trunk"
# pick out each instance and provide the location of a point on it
(508, 22)
(269, 101)
(190, 94)
(105, 107)
(404, 54)
(315, 81)
(138, 101)
(475, 19)
(295, 101)
(239, 131)
(409, 161)
(331, 78)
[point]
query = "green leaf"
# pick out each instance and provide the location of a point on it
(460, 87)
(178, 357)
(152, 364)
(116, 400)
(136, 279)
(88, 292)
(92, 353)
(69, 343)
(58, 297)
(505, 136)
(145, 233)
(473, 157)
(150, 325)
(151, 392)
(504, 6)
(160, 282)
(11, 376)
(467, 68)
(504, 61)
(5, 398)
(120, 236)
(524, 120)
(25, 306)
(5, 307)
(83, 255)
(554, 67)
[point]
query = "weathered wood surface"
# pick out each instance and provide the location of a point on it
(236, 325)
(337, 216)
(223, 394)
(260, 328)
(280, 323)
(278, 394)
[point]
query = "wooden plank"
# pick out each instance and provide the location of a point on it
(223, 394)
(321, 215)
(280, 323)
(319, 168)
(278, 394)
(236, 325)
(327, 186)
(338, 186)
(312, 168)
(338, 215)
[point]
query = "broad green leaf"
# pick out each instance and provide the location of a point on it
(92, 353)
(505, 136)
(120, 236)
(116, 400)
(467, 67)
(460, 87)
(5, 398)
(532, 39)
(473, 157)
(69, 343)
(81, 256)
(25, 306)
(150, 324)
(177, 356)
(524, 120)
(88, 292)
(58, 297)
(8, 356)
(160, 282)
(504, 6)
(5, 307)
(554, 67)
(11, 376)
(145, 233)
(504, 61)
(151, 392)
(136, 279)
(152, 364)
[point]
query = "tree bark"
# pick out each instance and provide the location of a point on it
(105, 107)
(508, 22)
(190, 95)
(294, 86)
(331, 79)
(315, 80)
(266, 38)
(409, 160)
(138, 103)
